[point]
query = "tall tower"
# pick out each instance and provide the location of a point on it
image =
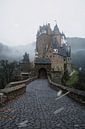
(43, 40)
(57, 34)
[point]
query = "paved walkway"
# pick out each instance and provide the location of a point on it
(38, 108)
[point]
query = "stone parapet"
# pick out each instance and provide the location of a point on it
(76, 94)
(14, 89)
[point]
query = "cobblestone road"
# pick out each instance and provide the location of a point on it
(38, 109)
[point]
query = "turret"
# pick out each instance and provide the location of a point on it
(56, 30)
(63, 39)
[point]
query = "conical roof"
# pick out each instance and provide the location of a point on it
(56, 29)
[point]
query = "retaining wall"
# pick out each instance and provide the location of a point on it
(74, 93)
(14, 89)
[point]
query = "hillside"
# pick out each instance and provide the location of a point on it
(78, 51)
(77, 43)
(16, 53)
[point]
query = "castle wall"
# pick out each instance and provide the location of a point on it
(58, 38)
(42, 44)
(57, 63)
(45, 50)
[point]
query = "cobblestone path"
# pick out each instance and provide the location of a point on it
(39, 109)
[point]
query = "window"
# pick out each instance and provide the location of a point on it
(55, 51)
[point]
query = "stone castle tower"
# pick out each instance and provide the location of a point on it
(52, 49)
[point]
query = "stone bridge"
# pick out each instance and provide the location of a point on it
(40, 108)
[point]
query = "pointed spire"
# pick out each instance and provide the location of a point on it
(56, 29)
(63, 34)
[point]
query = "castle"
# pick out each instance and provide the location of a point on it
(52, 50)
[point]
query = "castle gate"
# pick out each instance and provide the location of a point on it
(42, 67)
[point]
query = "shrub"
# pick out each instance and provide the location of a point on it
(73, 79)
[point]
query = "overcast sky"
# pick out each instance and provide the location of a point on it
(20, 19)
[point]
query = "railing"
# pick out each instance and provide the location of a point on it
(74, 93)
(11, 84)
(14, 89)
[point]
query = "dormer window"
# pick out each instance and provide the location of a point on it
(55, 50)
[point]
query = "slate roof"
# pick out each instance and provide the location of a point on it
(56, 30)
(61, 50)
(42, 61)
(54, 44)
(62, 34)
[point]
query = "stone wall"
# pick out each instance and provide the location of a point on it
(57, 63)
(43, 45)
(14, 89)
(76, 94)
(42, 42)
(56, 77)
(40, 66)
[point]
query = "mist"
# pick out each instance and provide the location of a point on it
(15, 53)
(77, 51)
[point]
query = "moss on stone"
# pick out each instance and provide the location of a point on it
(73, 79)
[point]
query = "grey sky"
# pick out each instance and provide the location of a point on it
(20, 19)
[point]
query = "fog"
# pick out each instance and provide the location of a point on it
(16, 53)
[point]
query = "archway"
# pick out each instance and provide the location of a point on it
(42, 73)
